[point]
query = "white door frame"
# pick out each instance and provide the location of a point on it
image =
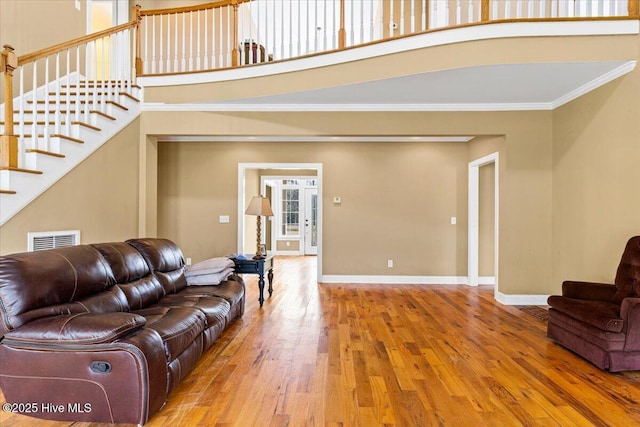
(307, 249)
(242, 168)
(474, 218)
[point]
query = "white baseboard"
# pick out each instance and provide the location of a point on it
(406, 280)
(486, 280)
(521, 299)
(395, 280)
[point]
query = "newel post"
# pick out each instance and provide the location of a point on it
(8, 141)
(138, 15)
(342, 33)
(484, 10)
(234, 34)
(634, 8)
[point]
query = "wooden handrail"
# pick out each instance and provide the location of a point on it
(185, 9)
(43, 53)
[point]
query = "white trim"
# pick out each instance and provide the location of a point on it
(394, 280)
(486, 280)
(620, 71)
(521, 299)
(304, 138)
(474, 218)
(256, 107)
(242, 167)
(436, 38)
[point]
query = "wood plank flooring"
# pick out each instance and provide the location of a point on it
(382, 355)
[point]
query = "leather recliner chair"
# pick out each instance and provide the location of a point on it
(601, 321)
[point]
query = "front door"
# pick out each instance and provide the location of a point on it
(311, 221)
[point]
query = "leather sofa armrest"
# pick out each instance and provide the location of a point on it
(630, 314)
(588, 290)
(75, 329)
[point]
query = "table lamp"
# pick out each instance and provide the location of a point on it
(260, 207)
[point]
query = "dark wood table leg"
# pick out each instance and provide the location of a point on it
(270, 277)
(261, 287)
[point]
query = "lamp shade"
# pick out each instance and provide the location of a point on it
(259, 206)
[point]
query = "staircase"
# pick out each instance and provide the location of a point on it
(58, 128)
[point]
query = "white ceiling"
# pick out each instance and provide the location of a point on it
(501, 86)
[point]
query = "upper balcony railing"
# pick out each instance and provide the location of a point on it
(232, 33)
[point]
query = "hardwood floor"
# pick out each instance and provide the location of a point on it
(382, 355)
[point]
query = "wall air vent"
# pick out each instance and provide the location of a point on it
(41, 240)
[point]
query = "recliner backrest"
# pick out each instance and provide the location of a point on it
(166, 261)
(628, 275)
(132, 274)
(49, 283)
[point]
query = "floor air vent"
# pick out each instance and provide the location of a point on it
(38, 241)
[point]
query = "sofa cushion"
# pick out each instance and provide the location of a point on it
(628, 274)
(125, 261)
(600, 314)
(230, 290)
(109, 301)
(215, 309)
(62, 275)
(132, 274)
(177, 326)
(81, 328)
(165, 260)
(142, 293)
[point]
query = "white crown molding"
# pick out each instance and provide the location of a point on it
(436, 38)
(620, 71)
(222, 107)
(298, 138)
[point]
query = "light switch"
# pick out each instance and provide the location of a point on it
(453, 220)
(224, 219)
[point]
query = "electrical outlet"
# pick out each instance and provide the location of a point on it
(188, 261)
(288, 243)
(223, 219)
(390, 263)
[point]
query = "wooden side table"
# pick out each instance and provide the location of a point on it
(257, 266)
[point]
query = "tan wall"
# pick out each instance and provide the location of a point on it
(30, 25)
(390, 193)
(378, 183)
(294, 245)
(99, 197)
(596, 200)
(486, 220)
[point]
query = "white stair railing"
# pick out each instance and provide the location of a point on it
(58, 88)
(231, 33)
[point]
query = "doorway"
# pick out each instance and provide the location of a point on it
(473, 269)
(250, 168)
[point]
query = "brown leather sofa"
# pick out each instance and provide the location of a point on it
(600, 321)
(104, 332)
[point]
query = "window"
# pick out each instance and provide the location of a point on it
(290, 211)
